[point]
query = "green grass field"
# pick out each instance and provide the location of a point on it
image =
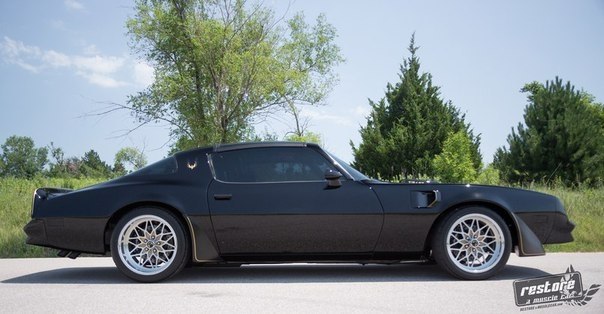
(585, 208)
(15, 206)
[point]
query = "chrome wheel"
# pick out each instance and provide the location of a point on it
(147, 245)
(475, 243)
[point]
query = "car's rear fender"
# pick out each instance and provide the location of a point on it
(197, 228)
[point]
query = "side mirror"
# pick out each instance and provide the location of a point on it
(333, 178)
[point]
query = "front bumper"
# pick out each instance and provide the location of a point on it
(561, 231)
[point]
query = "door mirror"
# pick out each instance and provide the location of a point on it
(333, 178)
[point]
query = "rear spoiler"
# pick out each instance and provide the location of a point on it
(44, 193)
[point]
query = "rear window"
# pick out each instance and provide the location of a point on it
(164, 166)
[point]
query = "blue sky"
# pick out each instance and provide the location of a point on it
(60, 60)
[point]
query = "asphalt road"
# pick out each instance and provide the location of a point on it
(94, 285)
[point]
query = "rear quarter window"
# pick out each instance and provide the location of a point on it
(164, 166)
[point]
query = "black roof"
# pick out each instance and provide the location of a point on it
(245, 145)
(227, 147)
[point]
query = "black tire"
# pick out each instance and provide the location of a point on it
(157, 247)
(472, 243)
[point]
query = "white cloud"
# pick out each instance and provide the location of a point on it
(100, 79)
(320, 115)
(55, 59)
(98, 64)
(143, 74)
(97, 69)
(91, 50)
(73, 5)
(16, 52)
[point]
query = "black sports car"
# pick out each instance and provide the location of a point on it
(289, 202)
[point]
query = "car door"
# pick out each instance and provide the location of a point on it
(269, 200)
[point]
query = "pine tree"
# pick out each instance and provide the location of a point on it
(408, 127)
(562, 138)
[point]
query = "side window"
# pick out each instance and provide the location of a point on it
(270, 164)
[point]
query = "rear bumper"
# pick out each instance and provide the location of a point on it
(85, 235)
(36, 232)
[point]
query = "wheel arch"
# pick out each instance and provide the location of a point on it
(117, 215)
(505, 214)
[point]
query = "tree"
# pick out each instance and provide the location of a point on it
(300, 132)
(221, 65)
(129, 158)
(21, 159)
(92, 166)
(307, 137)
(408, 127)
(58, 167)
(489, 175)
(454, 164)
(562, 137)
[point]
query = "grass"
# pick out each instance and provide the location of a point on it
(585, 207)
(15, 207)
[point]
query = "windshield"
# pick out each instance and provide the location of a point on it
(357, 175)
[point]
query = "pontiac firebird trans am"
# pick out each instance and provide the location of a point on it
(289, 202)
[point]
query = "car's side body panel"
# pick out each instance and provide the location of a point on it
(280, 218)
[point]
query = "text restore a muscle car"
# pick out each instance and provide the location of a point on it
(289, 202)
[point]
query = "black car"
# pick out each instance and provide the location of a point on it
(289, 202)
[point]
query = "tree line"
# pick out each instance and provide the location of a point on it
(412, 132)
(20, 158)
(223, 66)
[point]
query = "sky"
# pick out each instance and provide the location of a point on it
(63, 61)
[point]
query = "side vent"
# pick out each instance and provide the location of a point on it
(425, 199)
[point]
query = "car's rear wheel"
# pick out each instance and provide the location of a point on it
(149, 244)
(472, 243)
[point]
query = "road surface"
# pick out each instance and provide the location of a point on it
(87, 285)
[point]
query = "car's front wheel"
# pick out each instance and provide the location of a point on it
(149, 244)
(472, 243)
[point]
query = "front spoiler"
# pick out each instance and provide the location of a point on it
(535, 229)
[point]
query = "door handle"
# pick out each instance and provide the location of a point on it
(222, 197)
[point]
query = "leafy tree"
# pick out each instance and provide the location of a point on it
(308, 137)
(57, 167)
(20, 158)
(118, 169)
(129, 157)
(300, 132)
(489, 175)
(73, 166)
(219, 65)
(92, 166)
(562, 137)
(408, 127)
(454, 163)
